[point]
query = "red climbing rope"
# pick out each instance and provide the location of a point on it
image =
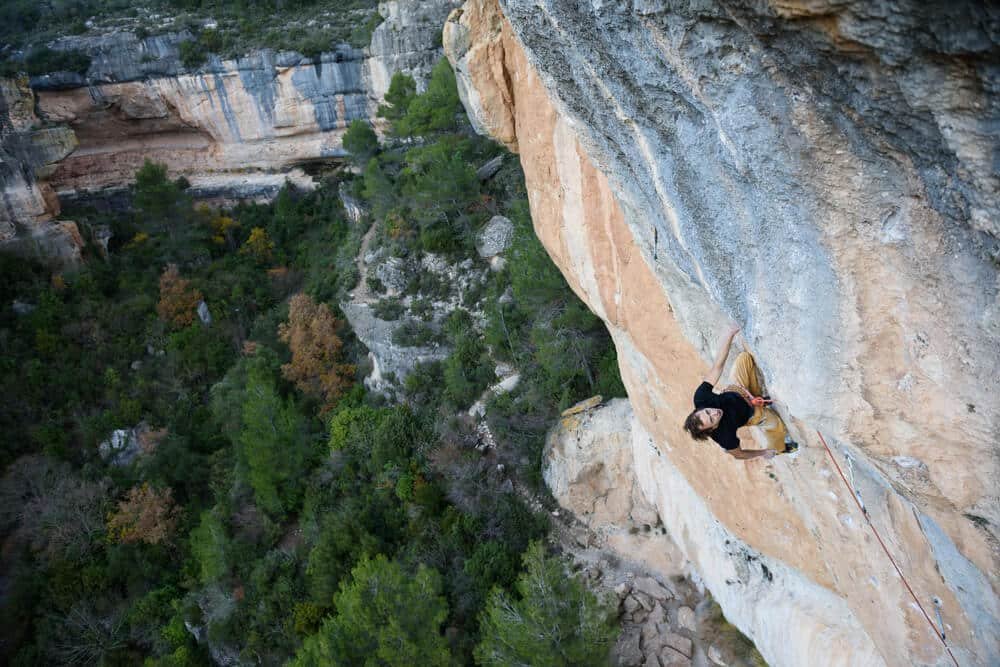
(939, 634)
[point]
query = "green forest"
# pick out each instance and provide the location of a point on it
(195, 473)
(306, 26)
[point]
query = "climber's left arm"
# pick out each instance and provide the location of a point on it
(713, 375)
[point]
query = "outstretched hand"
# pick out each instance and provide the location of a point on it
(733, 330)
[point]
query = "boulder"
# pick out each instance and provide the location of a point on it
(716, 657)
(677, 643)
(628, 650)
(495, 237)
(490, 168)
(686, 619)
(203, 313)
(121, 447)
(394, 274)
(652, 588)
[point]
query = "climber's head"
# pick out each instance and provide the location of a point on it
(702, 422)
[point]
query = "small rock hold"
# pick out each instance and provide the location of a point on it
(631, 604)
(23, 307)
(657, 616)
(628, 650)
(652, 588)
(685, 618)
(715, 655)
(489, 170)
(203, 314)
(621, 590)
(650, 633)
(671, 658)
(647, 602)
(651, 660)
(679, 644)
(585, 404)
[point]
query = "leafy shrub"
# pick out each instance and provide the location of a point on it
(44, 60)
(415, 334)
(210, 546)
(360, 141)
(467, 370)
(436, 110)
(195, 52)
(388, 309)
(402, 90)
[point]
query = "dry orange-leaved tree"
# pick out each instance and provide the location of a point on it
(178, 300)
(146, 515)
(311, 334)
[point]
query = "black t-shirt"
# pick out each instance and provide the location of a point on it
(735, 413)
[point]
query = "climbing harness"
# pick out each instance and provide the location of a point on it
(937, 601)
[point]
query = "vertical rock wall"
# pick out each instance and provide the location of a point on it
(27, 203)
(819, 173)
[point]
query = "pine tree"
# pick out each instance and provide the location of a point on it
(274, 444)
(360, 141)
(556, 622)
(384, 617)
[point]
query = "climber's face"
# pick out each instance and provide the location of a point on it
(709, 418)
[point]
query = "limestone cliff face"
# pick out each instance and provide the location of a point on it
(27, 153)
(229, 127)
(264, 112)
(821, 173)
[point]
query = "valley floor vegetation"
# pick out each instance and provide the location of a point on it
(194, 473)
(227, 28)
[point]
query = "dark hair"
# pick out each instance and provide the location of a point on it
(693, 426)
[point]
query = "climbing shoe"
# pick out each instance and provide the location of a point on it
(791, 446)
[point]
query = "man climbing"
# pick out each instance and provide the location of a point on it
(718, 416)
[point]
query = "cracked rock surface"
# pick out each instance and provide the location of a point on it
(821, 174)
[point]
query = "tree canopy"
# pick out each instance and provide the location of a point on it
(384, 617)
(555, 622)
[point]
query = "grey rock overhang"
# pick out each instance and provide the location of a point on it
(917, 79)
(738, 148)
(121, 57)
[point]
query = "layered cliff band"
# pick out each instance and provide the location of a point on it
(741, 403)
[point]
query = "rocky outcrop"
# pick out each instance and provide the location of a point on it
(393, 357)
(819, 173)
(231, 127)
(27, 153)
(589, 464)
(408, 40)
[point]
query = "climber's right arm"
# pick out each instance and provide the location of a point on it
(713, 375)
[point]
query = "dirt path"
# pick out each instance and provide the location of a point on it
(361, 293)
